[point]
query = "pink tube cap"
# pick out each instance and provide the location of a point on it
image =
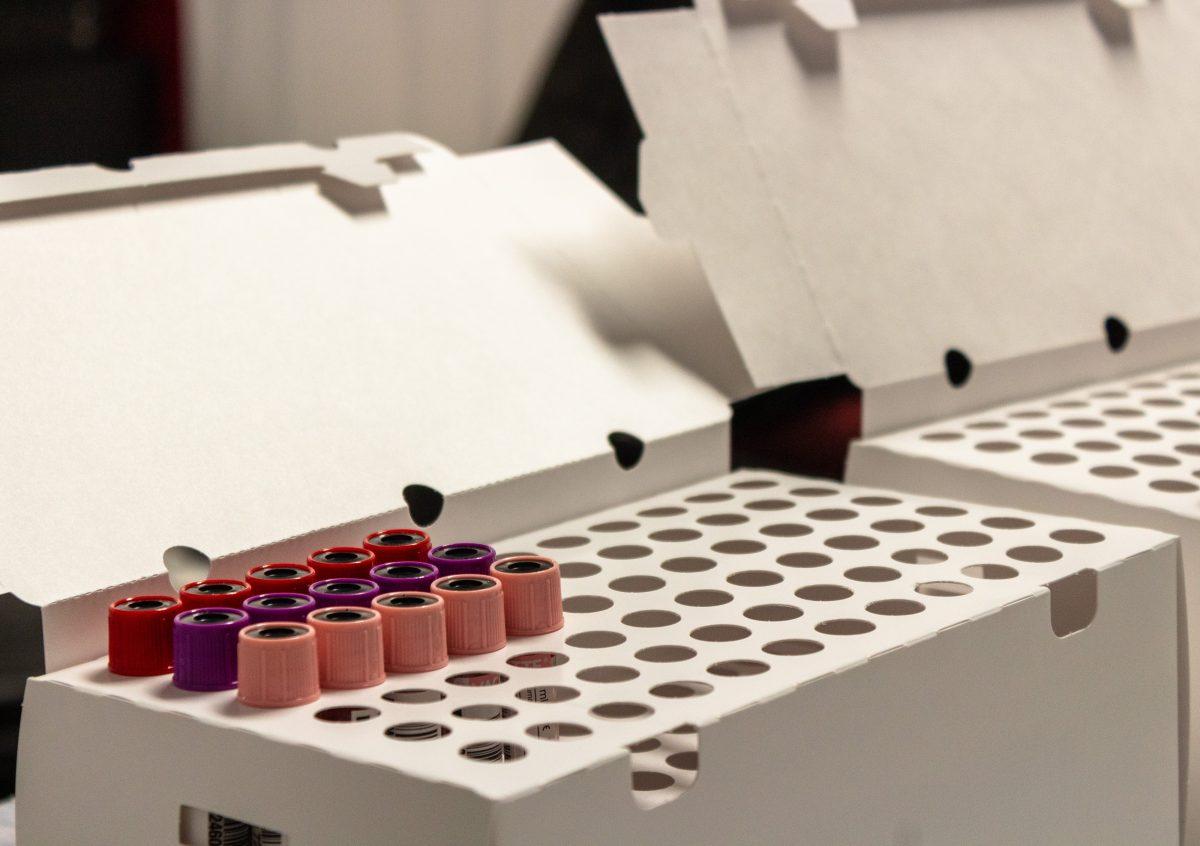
(414, 631)
(277, 665)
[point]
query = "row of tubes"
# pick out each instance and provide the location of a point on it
(343, 620)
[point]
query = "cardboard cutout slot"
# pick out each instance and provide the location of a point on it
(424, 504)
(204, 828)
(664, 767)
(627, 448)
(1116, 333)
(958, 368)
(354, 200)
(1073, 601)
(185, 564)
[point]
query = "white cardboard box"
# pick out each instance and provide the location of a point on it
(240, 356)
(891, 194)
(879, 706)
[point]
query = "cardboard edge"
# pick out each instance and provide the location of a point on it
(357, 160)
(889, 408)
(609, 787)
(73, 627)
(48, 699)
(874, 464)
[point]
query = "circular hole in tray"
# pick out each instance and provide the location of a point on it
(754, 578)
(738, 667)
(688, 564)
(650, 618)
(943, 588)
(586, 604)
(347, 714)
(607, 674)
(824, 593)
(665, 654)
(493, 751)
(721, 633)
(538, 660)
(990, 571)
(414, 696)
(793, 647)
(478, 678)
(772, 613)
(872, 574)
(845, 626)
(547, 693)
(703, 598)
(416, 731)
(578, 569)
(557, 731)
(565, 542)
(595, 640)
(621, 710)
(681, 689)
(485, 712)
(1034, 554)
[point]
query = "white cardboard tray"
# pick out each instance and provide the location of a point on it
(902, 694)
(871, 187)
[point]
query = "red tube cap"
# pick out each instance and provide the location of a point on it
(280, 578)
(140, 635)
(398, 545)
(214, 593)
(342, 562)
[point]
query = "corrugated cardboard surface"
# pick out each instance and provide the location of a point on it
(994, 177)
(253, 348)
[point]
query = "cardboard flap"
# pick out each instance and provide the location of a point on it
(228, 365)
(996, 178)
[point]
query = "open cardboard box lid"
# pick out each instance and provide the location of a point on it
(866, 194)
(229, 349)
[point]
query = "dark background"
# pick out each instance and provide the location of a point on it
(99, 81)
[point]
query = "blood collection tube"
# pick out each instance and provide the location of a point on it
(281, 578)
(398, 545)
(474, 613)
(278, 665)
(279, 607)
(214, 593)
(532, 594)
(332, 592)
(414, 631)
(456, 559)
(140, 632)
(342, 562)
(349, 646)
(206, 647)
(404, 576)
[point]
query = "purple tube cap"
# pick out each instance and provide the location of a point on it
(463, 557)
(205, 647)
(279, 607)
(404, 576)
(331, 592)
